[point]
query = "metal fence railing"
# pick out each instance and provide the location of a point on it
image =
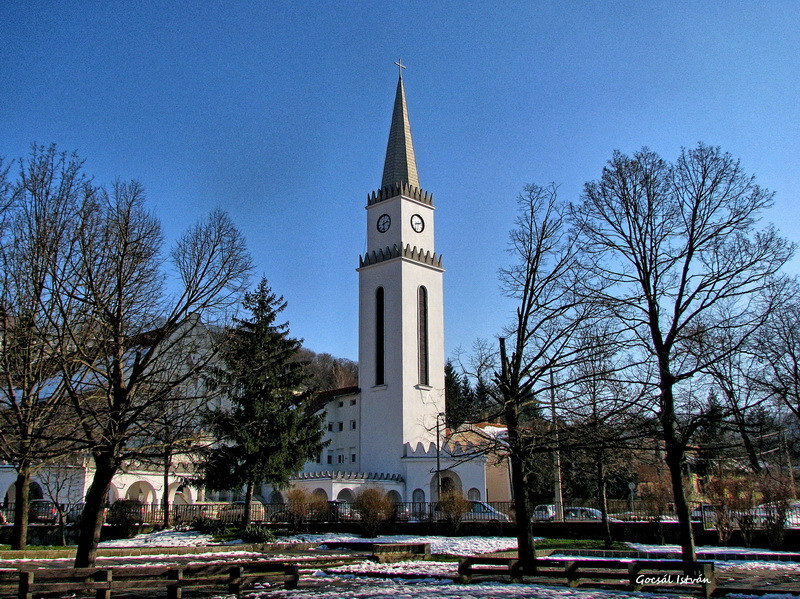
(47, 512)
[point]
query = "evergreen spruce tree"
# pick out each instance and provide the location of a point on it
(264, 432)
(459, 398)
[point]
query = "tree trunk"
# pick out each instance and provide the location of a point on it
(602, 488)
(674, 458)
(165, 498)
(92, 519)
(248, 501)
(62, 527)
(522, 516)
(19, 533)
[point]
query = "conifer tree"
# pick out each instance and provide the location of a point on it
(264, 431)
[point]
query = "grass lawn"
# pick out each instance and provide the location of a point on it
(577, 544)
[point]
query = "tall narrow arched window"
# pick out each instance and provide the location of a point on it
(422, 335)
(379, 336)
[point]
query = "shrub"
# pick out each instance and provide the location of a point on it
(453, 506)
(719, 494)
(257, 533)
(126, 514)
(297, 507)
(374, 508)
(776, 493)
(208, 526)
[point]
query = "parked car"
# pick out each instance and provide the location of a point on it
(126, 511)
(342, 510)
(42, 510)
(478, 511)
(582, 513)
(548, 512)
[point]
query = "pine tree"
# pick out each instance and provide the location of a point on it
(264, 432)
(459, 398)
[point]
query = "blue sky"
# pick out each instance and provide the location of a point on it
(279, 113)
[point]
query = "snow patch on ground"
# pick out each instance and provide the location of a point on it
(164, 538)
(732, 550)
(399, 589)
(448, 545)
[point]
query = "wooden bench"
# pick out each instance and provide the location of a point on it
(171, 580)
(638, 574)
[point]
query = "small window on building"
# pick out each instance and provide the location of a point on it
(341, 459)
(330, 457)
(341, 404)
(330, 427)
(353, 458)
(341, 426)
(352, 402)
(352, 425)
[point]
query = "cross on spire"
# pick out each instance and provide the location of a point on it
(400, 66)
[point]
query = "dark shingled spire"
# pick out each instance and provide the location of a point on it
(400, 165)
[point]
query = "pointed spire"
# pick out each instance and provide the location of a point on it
(400, 165)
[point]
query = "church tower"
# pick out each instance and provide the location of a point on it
(401, 316)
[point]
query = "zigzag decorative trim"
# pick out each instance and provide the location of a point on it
(395, 189)
(335, 474)
(412, 253)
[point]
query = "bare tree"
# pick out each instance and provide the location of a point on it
(674, 251)
(126, 357)
(779, 344)
(599, 414)
(540, 343)
(33, 242)
(62, 478)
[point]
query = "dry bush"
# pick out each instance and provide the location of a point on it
(374, 507)
(743, 490)
(453, 506)
(776, 494)
(298, 501)
(718, 492)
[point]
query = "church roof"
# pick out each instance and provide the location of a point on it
(400, 165)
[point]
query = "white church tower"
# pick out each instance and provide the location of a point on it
(384, 431)
(401, 317)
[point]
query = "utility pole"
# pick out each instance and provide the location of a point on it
(558, 497)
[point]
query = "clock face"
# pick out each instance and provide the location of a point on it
(384, 222)
(417, 223)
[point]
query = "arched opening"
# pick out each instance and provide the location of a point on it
(320, 495)
(418, 507)
(474, 494)
(180, 494)
(451, 483)
(34, 492)
(345, 495)
(142, 491)
(422, 335)
(394, 496)
(379, 336)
